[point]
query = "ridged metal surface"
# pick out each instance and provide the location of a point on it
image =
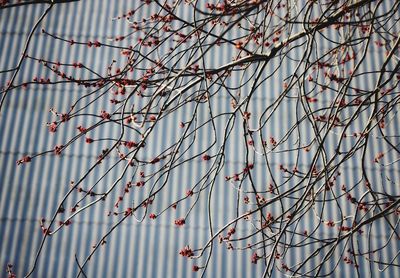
(148, 249)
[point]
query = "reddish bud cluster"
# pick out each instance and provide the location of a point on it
(246, 115)
(45, 230)
(64, 117)
(155, 160)
(65, 223)
(52, 127)
(239, 44)
(254, 258)
(285, 267)
(186, 252)
(41, 80)
(23, 160)
(236, 176)
(272, 141)
(344, 228)
(195, 268)
(249, 167)
(351, 198)
(77, 65)
(58, 149)
(105, 115)
(147, 203)
(130, 144)
(128, 212)
(180, 222)
(189, 193)
(95, 44)
(81, 129)
(140, 183)
(330, 223)
(206, 157)
(362, 207)
(311, 100)
(347, 260)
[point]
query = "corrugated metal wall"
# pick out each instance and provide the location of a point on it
(148, 249)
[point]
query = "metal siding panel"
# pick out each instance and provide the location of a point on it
(136, 249)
